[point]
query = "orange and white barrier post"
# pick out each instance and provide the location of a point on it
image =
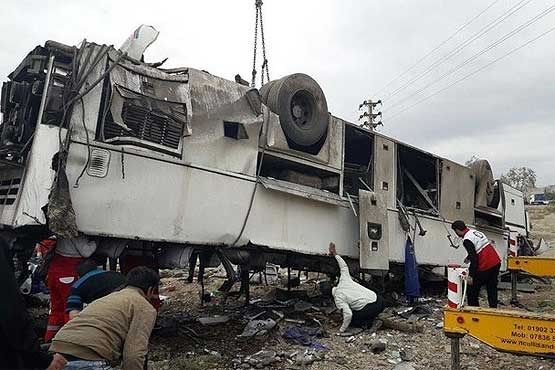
(513, 243)
(456, 285)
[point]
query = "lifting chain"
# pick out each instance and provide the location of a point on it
(265, 72)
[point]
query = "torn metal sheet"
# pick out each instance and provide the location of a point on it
(211, 146)
(139, 41)
(304, 191)
(159, 92)
(124, 99)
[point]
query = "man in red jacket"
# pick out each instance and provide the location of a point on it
(484, 263)
(62, 273)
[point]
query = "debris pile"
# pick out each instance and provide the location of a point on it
(298, 329)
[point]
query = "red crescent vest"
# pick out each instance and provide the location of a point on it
(487, 255)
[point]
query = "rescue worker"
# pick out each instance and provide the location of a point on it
(19, 344)
(93, 284)
(43, 254)
(359, 305)
(484, 264)
(62, 273)
(117, 326)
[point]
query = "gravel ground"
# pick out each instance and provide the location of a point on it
(217, 347)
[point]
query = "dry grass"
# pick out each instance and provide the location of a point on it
(543, 222)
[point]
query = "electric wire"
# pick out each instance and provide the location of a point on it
(76, 185)
(257, 181)
(461, 46)
(475, 56)
(80, 96)
(437, 47)
(473, 73)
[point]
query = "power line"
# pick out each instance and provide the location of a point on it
(473, 73)
(475, 56)
(438, 46)
(461, 46)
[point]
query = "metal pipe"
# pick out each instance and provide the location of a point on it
(246, 281)
(514, 280)
(288, 278)
(45, 89)
(455, 354)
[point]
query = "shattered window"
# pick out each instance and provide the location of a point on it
(418, 184)
(358, 148)
(144, 120)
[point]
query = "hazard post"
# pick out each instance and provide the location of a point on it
(517, 332)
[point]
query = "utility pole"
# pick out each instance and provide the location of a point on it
(371, 121)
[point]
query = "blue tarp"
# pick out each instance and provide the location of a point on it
(412, 284)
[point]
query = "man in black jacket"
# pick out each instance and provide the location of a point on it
(93, 284)
(19, 344)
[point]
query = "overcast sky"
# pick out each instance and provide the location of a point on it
(505, 113)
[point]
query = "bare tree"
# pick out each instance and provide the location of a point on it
(520, 178)
(470, 161)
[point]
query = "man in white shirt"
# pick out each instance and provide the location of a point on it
(359, 305)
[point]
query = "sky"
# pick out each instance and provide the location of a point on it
(355, 49)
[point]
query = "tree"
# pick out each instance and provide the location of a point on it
(470, 161)
(549, 195)
(520, 178)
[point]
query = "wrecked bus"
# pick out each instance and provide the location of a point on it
(171, 160)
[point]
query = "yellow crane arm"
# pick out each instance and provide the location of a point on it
(537, 266)
(510, 331)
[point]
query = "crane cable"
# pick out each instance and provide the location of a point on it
(258, 21)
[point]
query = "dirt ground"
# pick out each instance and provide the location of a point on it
(542, 218)
(180, 342)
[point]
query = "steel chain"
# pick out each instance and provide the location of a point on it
(255, 42)
(265, 60)
(264, 67)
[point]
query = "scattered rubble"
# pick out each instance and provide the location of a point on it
(404, 366)
(299, 331)
(351, 332)
(410, 337)
(213, 320)
(258, 327)
(262, 359)
(306, 357)
(213, 353)
(377, 346)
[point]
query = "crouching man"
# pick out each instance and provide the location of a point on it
(113, 327)
(93, 284)
(359, 305)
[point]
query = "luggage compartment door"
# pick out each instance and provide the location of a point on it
(374, 232)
